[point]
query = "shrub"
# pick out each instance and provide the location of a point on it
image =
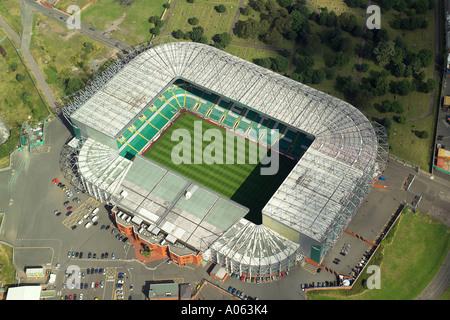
(220, 8)
(193, 21)
(20, 77)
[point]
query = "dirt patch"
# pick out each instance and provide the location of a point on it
(115, 24)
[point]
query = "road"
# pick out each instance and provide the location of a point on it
(32, 64)
(100, 36)
(43, 239)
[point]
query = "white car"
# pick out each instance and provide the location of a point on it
(119, 292)
(81, 296)
(80, 221)
(119, 297)
(120, 281)
(88, 225)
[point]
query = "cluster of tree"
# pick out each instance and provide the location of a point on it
(419, 6)
(158, 24)
(356, 3)
(346, 21)
(222, 40)
(276, 24)
(409, 23)
(197, 35)
(278, 64)
(394, 106)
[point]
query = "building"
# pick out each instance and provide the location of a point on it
(24, 293)
(219, 273)
(122, 113)
(163, 291)
(35, 272)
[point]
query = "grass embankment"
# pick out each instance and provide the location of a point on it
(408, 259)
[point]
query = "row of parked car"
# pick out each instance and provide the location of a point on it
(240, 294)
(120, 285)
(257, 280)
(319, 284)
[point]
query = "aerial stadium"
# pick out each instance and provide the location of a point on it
(329, 153)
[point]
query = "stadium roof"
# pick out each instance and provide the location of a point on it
(158, 197)
(341, 160)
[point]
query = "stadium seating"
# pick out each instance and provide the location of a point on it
(231, 115)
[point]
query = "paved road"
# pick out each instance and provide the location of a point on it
(439, 284)
(100, 36)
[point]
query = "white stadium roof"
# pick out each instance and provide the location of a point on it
(343, 156)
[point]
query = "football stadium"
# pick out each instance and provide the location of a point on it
(328, 157)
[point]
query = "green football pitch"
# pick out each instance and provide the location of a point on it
(242, 183)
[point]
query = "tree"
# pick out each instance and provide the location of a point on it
(429, 86)
(153, 19)
(245, 11)
(384, 51)
(222, 40)
(178, 34)
(422, 134)
(263, 62)
(347, 21)
(193, 21)
(426, 57)
(220, 8)
(385, 106)
(317, 76)
(396, 106)
(399, 70)
(190, 1)
(280, 64)
(404, 87)
(196, 34)
(285, 3)
(155, 31)
(298, 20)
(246, 29)
(20, 77)
(166, 5)
(73, 85)
(381, 86)
(27, 98)
(341, 59)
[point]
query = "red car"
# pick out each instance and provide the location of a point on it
(55, 180)
(69, 208)
(96, 284)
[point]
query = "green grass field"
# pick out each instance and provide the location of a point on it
(242, 183)
(408, 262)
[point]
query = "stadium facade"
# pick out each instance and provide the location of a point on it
(178, 218)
